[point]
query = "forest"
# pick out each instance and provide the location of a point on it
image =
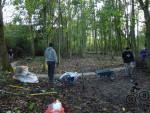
(87, 35)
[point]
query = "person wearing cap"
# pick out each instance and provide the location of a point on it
(129, 62)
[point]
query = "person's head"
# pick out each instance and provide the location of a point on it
(10, 49)
(50, 44)
(127, 48)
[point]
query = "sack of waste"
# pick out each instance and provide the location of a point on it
(55, 107)
(69, 77)
(23, 75)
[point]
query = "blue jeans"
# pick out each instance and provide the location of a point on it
(51, 69)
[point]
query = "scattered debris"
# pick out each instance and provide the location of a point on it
(23, 75)
(98, 96)
(55, 107)
(69, 77)
(106, 72)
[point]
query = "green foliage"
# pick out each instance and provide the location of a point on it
(30, 6)
(16, 38)
(17, 19)
(76, 2)
(82, 25)
(31, 106)
(40, 47)
(17, 2)
(142, 41)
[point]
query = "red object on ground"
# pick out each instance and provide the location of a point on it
(55, 107)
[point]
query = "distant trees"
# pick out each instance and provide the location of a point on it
(80, 26)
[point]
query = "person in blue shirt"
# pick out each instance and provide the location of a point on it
(51, 59)
(143, 54)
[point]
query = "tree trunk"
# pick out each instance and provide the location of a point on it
(32, 40)
(59, 28)
(145, 8)
(132, 30)
(44, 31)
(3, 50)
(127, 23)
(69, 30)
(147, 37)
(138, 40)
(94, 28)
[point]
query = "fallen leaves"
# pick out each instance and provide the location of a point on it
(88, 95)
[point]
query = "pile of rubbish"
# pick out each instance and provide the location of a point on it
(69, 77)
(22, 74)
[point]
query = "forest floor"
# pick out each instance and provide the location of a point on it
(87, 64)
(89, 95)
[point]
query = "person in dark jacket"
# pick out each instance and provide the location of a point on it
(51, 59)
(128, 59)
(10, 55)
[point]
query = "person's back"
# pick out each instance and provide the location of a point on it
(50, 54)
(51, 59)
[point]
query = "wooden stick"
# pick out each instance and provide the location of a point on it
(34, 94)
(14, 86)
(47, 93)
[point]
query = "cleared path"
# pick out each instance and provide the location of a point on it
(85, 74)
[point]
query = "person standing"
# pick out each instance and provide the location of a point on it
(128, 60)
(143, 54)
(51, 59)
(10, 55)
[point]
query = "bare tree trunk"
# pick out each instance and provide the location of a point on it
(59, 38)
(32, 40)
(127, 23)
(132, 29)
(94, 27)
(138, 41)
(3, 50)
(69, 30)
(145, 8)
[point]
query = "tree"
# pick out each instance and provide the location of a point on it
(4, 55)
(145, 7)
(132, 28)
(30, 6)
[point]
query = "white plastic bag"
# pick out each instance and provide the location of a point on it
(55, 107)
(73, 75)
(27, 77)
(23, 75)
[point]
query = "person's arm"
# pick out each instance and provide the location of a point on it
(132, 56)
(123, 55)
(45, 54)
(56, 60)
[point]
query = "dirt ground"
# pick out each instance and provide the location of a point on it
(87, 64)
(90, 94)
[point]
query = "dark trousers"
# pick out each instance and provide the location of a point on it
(51, 69)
